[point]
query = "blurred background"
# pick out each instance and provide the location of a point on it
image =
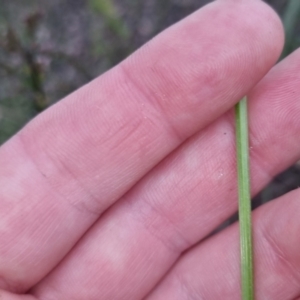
(50, 48)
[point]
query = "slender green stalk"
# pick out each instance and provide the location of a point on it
(242, 146)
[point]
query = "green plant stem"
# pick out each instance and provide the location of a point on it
(242, 146)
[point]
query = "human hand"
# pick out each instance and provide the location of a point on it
(111, 193)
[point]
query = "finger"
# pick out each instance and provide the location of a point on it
(183, 199)
(8, 296)
(75, 160)
(211, 270)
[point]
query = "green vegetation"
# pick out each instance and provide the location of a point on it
(242, 149)
(290, 20)
(108, 11)
(12, 118)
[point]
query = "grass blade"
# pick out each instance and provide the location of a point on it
(242, 147)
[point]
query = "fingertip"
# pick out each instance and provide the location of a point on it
(264, 25)
(215, 55)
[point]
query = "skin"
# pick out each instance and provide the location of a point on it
(113, 192)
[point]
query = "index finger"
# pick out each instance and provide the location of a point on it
(75, 160)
